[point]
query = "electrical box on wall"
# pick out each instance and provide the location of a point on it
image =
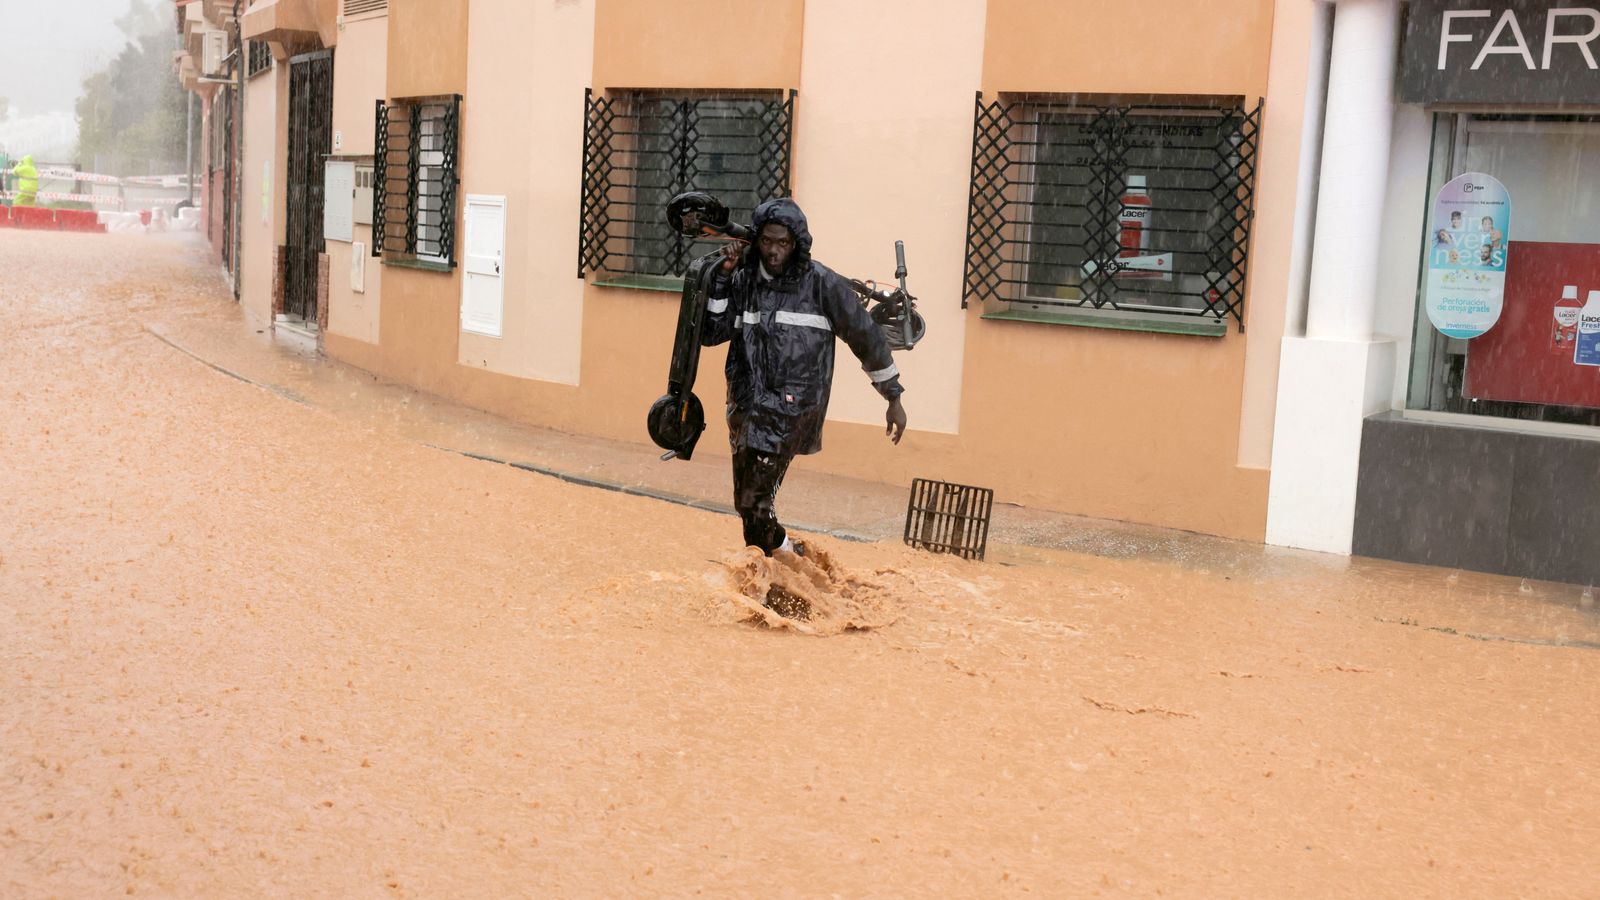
(362, 208)
(338, 201)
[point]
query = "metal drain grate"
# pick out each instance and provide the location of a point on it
(949, 518)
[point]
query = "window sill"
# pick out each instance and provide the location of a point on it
(419, 265)
(666, 283)
(1116, 321)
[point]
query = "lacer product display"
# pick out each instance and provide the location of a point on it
(1587, 352)
(1134, 220)
(1564, 333)
(1134, 224)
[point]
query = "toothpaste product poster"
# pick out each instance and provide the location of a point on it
(1467, 251)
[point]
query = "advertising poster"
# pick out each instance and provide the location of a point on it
(1530, 355)
(1467, 253)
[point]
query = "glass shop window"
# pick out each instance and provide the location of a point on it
(1508, 311)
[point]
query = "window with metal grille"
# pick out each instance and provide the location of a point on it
(260, 58)
(414, 180)
(1140, 208)
(642, 147)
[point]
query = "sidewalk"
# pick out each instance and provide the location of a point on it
(219, 336)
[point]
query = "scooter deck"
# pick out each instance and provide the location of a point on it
(677, 419)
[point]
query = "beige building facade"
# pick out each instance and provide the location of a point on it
(1054, 395)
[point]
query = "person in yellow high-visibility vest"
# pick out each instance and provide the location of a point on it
(27, 181)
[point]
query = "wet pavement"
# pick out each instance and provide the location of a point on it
(268, 624)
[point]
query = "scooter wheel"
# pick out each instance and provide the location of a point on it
(674, 428)
(889, 323)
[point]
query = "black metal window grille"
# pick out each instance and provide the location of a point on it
(415, 179)
(260, 58)
(640, 148)
(1050, 222)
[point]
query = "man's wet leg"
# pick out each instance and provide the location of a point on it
(756, 480)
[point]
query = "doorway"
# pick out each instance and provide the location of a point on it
(310, 141)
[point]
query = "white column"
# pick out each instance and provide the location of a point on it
(1355, 168)
(1337, 374)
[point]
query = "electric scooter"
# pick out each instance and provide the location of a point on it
(677, 419)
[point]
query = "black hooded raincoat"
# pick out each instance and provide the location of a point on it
(780, 362)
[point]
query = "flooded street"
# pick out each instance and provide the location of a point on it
(254, 644)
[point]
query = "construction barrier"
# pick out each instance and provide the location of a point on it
(85, 220)
(112, 211)
(37, 217)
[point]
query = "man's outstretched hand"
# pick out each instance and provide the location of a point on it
(896, 419)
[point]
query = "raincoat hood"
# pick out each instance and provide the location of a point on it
(786, 212)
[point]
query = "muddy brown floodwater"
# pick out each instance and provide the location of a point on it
(252, 646)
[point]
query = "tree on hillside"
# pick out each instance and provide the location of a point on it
(131, 114)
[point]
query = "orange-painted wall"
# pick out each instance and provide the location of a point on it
(427, 48)
(704, 44)
(1128, 46)
(1125, 425)
(427, 56)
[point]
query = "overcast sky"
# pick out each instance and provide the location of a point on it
(50, 46)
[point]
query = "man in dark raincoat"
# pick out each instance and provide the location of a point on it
(780, 311)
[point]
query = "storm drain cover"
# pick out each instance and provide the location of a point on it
(949, 518)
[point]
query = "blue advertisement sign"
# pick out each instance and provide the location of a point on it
(1467, 250)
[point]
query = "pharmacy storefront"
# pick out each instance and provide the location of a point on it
(1489, 456)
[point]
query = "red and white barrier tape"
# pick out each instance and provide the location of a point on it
(166, 181)
(70, 175)
(57, 197)
(96, 199)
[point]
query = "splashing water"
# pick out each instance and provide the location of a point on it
(813, 594)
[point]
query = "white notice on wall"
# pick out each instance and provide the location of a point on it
(358, 267)
(338, 203)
